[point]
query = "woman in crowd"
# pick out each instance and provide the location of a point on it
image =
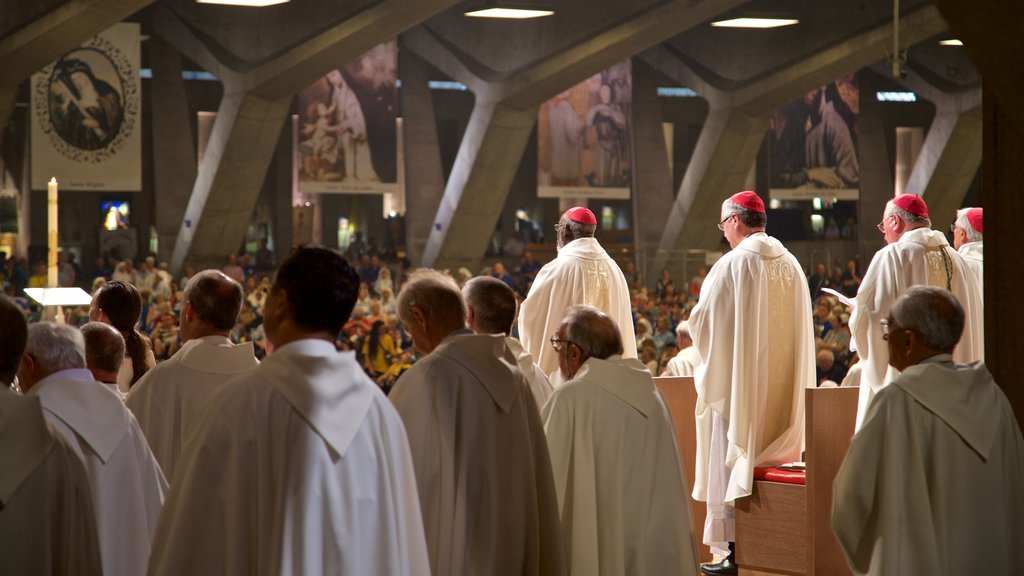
(379, 349)
(120, 305)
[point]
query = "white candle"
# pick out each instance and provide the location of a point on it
(51, 229)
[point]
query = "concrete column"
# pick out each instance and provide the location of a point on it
(174, 150)
(876, 175)
(424, 177)
(958, 139)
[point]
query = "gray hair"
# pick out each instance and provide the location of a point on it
(748, 217)
(964, 224)
(593, 331)
(436, 295)
(215, 298)
(578, 229)
(493, 302)
(891, 208)
(932, 312)
(104, 346)
(55, 347)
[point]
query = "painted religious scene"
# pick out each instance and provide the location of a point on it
(584, 138)
(347, 139)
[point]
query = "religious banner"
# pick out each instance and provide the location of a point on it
(584, 138)
(347, 139)
(86, 123)
(812, 143)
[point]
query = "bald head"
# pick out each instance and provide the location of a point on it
(214, 301)
(593, 331)
(491, 305)
(13, 335)
(431, 306)
(104, 350)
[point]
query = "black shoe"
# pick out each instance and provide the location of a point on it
(726, 566)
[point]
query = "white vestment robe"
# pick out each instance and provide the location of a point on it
(539, 383)
(582, 273)
(169, 398)
(684, 363)
(127, 484)
(622, 494)
(482, 465)
(47, 523)
(932, 481)
(753, 330)
(299, 467)
(921, 257)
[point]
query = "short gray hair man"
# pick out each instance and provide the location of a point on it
(51, 348)
(104, 351)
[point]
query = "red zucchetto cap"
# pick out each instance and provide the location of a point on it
(749, 200)
(581, 215)
(911, 203)
(974, 217)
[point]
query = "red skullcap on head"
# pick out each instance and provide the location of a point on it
(749, 200)
(911, 203)
(974, 217)
(581, 215)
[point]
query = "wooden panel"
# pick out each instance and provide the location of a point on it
(681, 397)
(771, 528)
(830, 419)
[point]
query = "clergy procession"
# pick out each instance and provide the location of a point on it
(526, 438)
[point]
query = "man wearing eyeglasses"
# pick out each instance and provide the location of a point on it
(931, 482)
(968, 241)
(582, 273)
(618, 475)
(753, 329)
(915, 255)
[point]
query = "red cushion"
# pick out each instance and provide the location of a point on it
(784, 476)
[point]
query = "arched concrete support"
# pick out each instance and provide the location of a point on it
(732, 135)
(40, 42)
(252, 113)
(505, 112)
(174, 150)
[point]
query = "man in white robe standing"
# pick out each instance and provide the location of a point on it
(47, 522)
(932, 482)
(622, 494)
(482, 465)
(915, 255)
(104, 354)
(753, 330)
(582, 273)
(491, 309)
(300, 466)
(968, 240)
(169, 398)
(685, 362)
(126, 482)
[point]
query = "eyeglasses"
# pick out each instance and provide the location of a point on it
(887, 327)
(558, 344)
(952, 227)
(881, 226)
(721, 225)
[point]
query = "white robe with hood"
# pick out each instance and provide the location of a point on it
(916, 259)
(482, 465)
(582, 273)
(127, 484)
(300, 467)
(47, 523)
(753, 330)
(932, 482)
(169, 398)
(622, 493)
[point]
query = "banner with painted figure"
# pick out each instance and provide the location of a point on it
(86, 123)
(347, 135)
(584, 138)
(812, 143)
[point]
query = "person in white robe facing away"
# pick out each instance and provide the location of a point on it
(968, 240)
(685, 362)
(491, 309)
(753, 330)
(622, 493)
(104, 353)
(477, 442)
(581, 273)
(300, 466)
(126, 483)
(47, 522)
(170, 397)
(915, 255)
(932, 481)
